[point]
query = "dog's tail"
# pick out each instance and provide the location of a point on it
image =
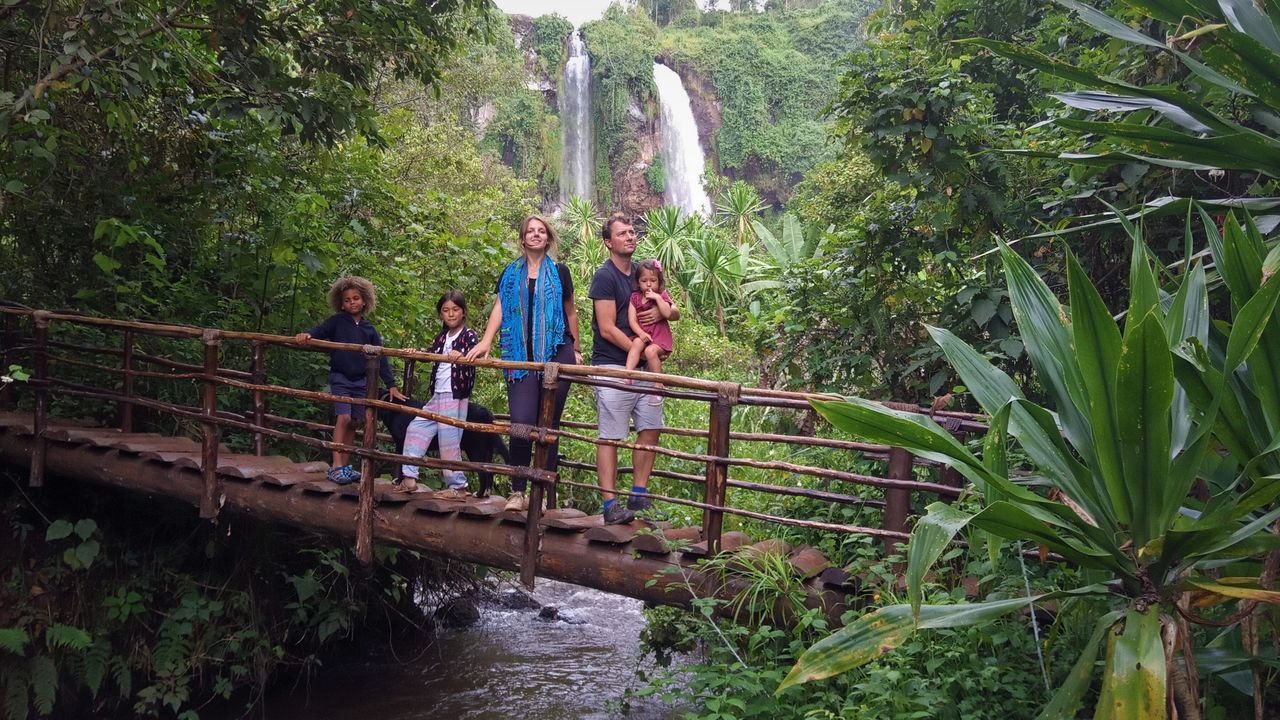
(500, 447)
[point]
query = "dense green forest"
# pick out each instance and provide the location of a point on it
(220, 162)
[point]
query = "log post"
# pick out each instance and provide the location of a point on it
(409, 367)
(209, 500)
(125, 407)
(717, 478)
(40, 446)
(539, 488)
(897, 501)
(364, 516)
(546, 418)
(259, 371)
(8, 341)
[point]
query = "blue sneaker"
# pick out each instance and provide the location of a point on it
(341, 475)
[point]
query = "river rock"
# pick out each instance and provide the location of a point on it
(549, 612)
(458, 613)
(517, 600)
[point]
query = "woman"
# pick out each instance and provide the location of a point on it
(539, 323)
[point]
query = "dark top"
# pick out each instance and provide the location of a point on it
(566, 291)
(610, 283)
(341, 328)
(462, 378)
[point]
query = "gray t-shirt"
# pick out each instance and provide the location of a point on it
(610, 283)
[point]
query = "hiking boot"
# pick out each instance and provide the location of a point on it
(639, 503)
(451, 494)
(517, 502)
(341, 475)
(616, 514)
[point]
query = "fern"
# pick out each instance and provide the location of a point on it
(15, 693)
(174, 645)
(95, 665)
(66, 636)
(44, 683)
(123, 676)
(14, 640)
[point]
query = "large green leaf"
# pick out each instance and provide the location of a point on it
(1133, 686)
(1247, 63)
(1043, 443)
(1013, 521)
(1065, 704)
(931, 535)
(1239, 588)
(990, 386)
(915, 432)
(1247, 18)
(1098, 341)
(1041, 322)
(1240, 151)
(880, 632)
(1144, 389)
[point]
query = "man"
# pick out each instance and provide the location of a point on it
(610, 295)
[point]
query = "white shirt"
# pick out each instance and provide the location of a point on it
(444, 370)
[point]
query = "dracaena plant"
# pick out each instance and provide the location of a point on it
(1139, 416)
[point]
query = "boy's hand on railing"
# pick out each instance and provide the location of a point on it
(302, 337)
(395, 394)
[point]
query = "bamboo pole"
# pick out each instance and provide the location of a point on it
(259, 364)
(125, 407)
(210, 432)
(40, 448)
(364, 516)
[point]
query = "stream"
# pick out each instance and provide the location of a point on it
(510, 664)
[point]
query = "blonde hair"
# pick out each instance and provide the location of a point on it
(352, 282)
(553, 237)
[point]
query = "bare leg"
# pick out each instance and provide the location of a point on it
(633, 354)
(653, 361)
(607, 469)
(641, 459)
(343, 433)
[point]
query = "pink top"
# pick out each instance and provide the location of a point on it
(661, 330)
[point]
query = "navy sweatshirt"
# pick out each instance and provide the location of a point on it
(341, 328)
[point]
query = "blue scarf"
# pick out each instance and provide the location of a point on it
(547, 307)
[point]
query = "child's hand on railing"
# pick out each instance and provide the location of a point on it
(395, 394)
(302, 337)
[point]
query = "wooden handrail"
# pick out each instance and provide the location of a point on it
(721, 398)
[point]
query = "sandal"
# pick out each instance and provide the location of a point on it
(407, 488)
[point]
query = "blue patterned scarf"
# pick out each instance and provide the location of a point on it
(547, 307)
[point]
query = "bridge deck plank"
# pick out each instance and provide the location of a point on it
(288, 478)
(729, 542)
(808, 562)
(484, 507)
(661, 542)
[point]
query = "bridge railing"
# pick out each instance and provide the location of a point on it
(43, 350)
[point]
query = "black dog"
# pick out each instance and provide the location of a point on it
(477, 446)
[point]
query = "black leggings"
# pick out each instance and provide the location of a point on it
(523, 399)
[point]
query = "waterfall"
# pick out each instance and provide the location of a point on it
(681, 154)
(575, 113)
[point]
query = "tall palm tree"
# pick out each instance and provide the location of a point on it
(738, 205)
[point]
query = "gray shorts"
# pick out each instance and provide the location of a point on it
(617, 408)
(340, 384)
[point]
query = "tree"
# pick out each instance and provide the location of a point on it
(739, 204)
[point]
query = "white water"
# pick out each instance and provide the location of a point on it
(575, 114)
(682, 158)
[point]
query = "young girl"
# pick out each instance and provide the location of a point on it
(351, 299)
(654, 341)
(450, 385)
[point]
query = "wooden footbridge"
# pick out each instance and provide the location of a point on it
(126, 366)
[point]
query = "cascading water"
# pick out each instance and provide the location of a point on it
(575, 114)
(682, 157)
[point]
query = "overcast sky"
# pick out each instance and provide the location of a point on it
(578, 11)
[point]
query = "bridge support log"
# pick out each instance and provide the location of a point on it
(897, 502)
(565, 556)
